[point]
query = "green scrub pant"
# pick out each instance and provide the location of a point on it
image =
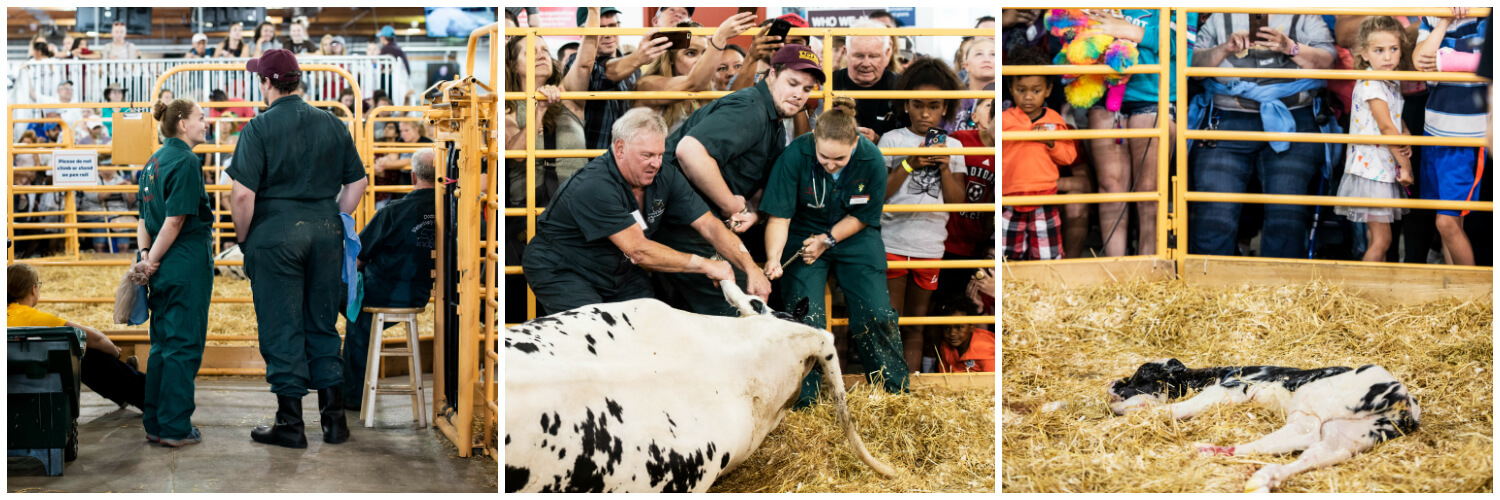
(178, 298)
(294, 259)
(697, 293)
(860, 266)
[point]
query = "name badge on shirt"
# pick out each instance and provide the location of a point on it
(859, 200)
(638, 219)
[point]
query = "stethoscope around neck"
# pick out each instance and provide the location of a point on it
(819, 199)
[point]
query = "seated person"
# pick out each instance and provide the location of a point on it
(103, 372)
(965, 348)
(395, 255)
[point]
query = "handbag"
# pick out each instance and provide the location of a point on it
(130, 301)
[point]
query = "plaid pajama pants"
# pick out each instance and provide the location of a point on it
(1034, 235)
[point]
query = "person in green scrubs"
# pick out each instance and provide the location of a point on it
(173, 234)
(295, 168)
(594, 239)
(824, 199)
(725, 149)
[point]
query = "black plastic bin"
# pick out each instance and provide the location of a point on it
(44, 375)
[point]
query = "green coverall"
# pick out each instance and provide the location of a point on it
(800, 189)
(296, 158)
(744, 133)
(572, 263)
(170, 185)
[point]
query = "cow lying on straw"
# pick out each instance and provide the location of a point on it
(637, 396)
(1331, 413)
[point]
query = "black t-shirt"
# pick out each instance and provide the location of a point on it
(306, 47)
(396, 247)
(595, 203)
(742, 132)
(875, 114)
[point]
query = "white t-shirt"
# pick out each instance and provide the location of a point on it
(916, 234)
(70, 115)
(1372, 161)
(125, 50)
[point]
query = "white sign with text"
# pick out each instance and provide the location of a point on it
(75, 168)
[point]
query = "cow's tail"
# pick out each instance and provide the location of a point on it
(828, 361)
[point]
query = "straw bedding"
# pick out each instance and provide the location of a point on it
(223, 319)
(938, 440)
(1062, 346)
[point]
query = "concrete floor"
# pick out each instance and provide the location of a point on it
(394, 456)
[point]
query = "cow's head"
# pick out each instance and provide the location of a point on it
(750, 305)
(799, 312)
(1155, 382)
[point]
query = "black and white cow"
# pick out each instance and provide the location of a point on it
(1331, 413)
(637, 396)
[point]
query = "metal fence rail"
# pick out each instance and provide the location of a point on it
(138, 76)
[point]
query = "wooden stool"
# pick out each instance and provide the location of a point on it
(413, 352)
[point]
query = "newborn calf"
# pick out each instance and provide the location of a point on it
(1331, 413)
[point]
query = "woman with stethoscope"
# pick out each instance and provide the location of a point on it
(824, 198)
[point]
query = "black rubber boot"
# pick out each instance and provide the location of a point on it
(288, 429)
(331, 411)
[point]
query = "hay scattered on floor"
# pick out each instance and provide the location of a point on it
(1062, 346)
(223, 319)
(940, 441)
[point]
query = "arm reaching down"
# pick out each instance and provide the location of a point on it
(654, 256)
(734, 251)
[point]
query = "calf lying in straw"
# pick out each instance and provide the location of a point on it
(1331, 413)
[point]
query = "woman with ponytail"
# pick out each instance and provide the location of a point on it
(177, 264)
(825, 197)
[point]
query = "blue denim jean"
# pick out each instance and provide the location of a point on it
(1228, 167)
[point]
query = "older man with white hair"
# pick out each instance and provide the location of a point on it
(395, 259)
(593, 243)
(868, 58)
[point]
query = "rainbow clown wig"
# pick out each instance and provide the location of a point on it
(1083, 44)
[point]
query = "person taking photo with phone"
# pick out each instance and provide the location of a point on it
(689, 65)
(917, 180)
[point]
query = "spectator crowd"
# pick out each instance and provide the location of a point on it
(1458, 42)
(94, 126)
(753, 186)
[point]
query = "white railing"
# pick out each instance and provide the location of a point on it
(137, 76)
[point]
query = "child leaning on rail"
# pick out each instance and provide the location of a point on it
(1372, 171)
(1454, 109)
(1030, 167)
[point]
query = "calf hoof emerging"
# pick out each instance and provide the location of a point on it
(1211, 450)
(1262, 481)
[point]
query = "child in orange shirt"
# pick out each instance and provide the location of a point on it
(965, 348)
(1030, 167)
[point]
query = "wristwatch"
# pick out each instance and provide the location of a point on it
(829, 241)
(1295, 49)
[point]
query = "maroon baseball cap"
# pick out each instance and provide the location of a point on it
(276, 64)
(799, 57)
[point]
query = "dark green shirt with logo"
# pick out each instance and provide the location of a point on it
(800, 188)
